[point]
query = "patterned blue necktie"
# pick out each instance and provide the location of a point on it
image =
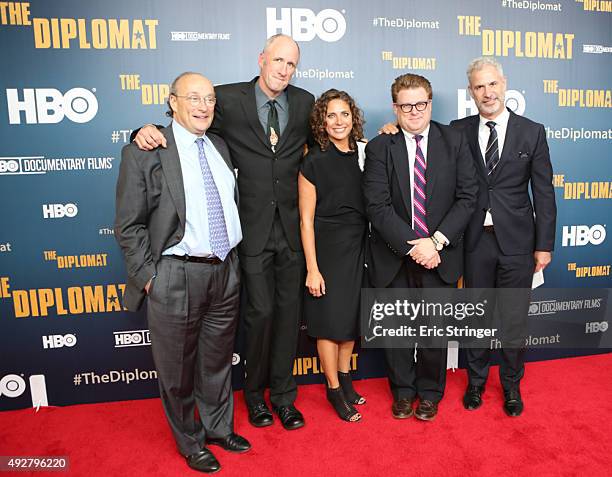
(219, 241)
(419, 199)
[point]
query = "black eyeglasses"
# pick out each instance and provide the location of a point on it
(407, 107)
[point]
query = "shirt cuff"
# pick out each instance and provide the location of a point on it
(440, 237)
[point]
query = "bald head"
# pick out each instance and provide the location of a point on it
(192, 101)
(277, 63)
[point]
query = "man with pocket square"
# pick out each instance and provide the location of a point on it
(511, 235)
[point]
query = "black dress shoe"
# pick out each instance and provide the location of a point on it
(472, 399)
(402, 408)
(426, 410)
(290, 417)
(260, 415)
(203, 461)
(513, 404)
(232, 442)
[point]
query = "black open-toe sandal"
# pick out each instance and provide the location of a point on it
(345, 410)
(346, 383)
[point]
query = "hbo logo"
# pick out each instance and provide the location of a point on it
(303, 25)
(467, 107)
(58, 211)
(59, 341)
(13, 385)
(132, 338)
(49, 106)
(580, 235)
(596, 327)
(9, 166)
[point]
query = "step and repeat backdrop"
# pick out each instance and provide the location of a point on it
(77, 77)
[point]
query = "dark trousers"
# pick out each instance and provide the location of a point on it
(192, 313)
(488, 267)
(424, 377)
(275, 285)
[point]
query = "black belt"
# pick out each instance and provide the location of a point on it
(490, 229)
(188, 258)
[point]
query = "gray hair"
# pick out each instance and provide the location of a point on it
(273, 38)
(173, 88)
(482, 61)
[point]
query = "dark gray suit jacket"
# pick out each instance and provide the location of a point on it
(150, 209)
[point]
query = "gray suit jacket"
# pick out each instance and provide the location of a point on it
(150, 209)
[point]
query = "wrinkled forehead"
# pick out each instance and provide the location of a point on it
(485, 75)
(194, 84)
(283, 48)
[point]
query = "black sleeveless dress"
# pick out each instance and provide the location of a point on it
(340, 232)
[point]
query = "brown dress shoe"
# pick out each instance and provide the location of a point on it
(426, 410)
(402, 408)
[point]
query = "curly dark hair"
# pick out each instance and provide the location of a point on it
(319, 112)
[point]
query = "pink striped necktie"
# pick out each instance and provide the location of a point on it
(419, 199)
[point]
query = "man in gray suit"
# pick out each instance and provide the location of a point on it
(177, 224)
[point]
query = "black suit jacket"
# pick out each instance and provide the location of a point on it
(150, 209)
(525, 159)
(451, 196)
(266, 180)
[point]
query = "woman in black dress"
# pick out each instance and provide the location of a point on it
(333, 228)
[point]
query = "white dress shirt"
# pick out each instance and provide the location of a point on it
(501, 125)
(196, 241)
(411, 149)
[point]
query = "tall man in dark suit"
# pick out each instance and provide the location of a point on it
(420, 191)
(504, 242)
(265, 125)
(177, 224)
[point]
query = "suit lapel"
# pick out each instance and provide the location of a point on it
(399, 155)
(435, 153)
(293, 114)
(249, 106)
(216, 142)
(472, 132)
(171, 166)
(510, 141)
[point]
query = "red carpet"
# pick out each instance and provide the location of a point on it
(565, 430)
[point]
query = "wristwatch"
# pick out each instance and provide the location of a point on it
(439, 245)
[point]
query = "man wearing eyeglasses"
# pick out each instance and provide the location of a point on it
(177, 224)
(420, 190)
(265, 124)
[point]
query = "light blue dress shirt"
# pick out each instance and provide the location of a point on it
(196, 240)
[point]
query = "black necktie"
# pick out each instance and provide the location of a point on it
(492, 152)
(273, 130)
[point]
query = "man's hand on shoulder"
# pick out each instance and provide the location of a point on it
(149, 138)
(389, 128)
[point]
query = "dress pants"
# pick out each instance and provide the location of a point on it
(192, 314)
(274, 284)
(425, 377)
(488, 267)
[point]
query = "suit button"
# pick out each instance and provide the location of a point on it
(490, 188)
(276, 181)
(273, 202)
